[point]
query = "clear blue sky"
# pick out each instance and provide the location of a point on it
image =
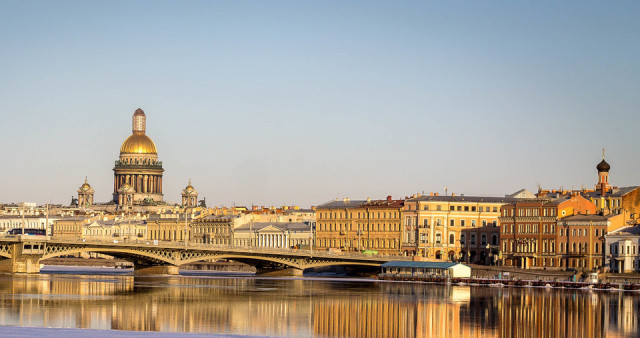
(300, 102)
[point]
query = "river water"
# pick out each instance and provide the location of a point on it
(304, 307)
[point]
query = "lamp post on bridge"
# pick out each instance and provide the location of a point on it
(185, 227)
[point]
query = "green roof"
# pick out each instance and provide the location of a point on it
(428, 265)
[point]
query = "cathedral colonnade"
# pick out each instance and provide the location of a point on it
(141, 183)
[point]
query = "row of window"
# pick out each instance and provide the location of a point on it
(452, 222)
(549, 246)
(621, 251)
(360, 227)
(581, 232)
(359, 215)
(471, 208)
(353, 243)
(529, 212)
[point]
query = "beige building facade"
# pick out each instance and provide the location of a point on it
(452, 228)
(360, 225)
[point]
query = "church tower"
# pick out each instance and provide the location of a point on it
(603, 176)
(189, 196)
(85, 195)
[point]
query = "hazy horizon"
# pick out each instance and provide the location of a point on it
(299, 103)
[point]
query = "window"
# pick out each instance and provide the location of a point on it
(473, 222)
(483, 240)
(452, 239)
(459, 208)
(438, 207)
(495, 209)
(452, 222)
(494, 240)
(466, 208)
(473, 208)
(462, 222)
(484, 222)
(438, 238)
(426, 207)
(438, 221)
(462, 239)
(494, 223)
(426, 222)
(452, 208)
(473, 239)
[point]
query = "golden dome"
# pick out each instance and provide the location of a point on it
(138, 144)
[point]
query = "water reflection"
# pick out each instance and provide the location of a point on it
(303, 307)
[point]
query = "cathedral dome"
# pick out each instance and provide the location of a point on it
(138, 144)
(603, 166)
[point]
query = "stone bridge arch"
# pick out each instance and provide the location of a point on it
(150, 257)
(292, 262)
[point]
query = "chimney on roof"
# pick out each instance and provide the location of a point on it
(389, 198)
(453, 194)
(430, 194)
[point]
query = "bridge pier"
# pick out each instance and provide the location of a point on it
(25, 258)
(155, 269)
(279, 272)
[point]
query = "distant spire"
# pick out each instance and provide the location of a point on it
(603, 153)
(85, 179)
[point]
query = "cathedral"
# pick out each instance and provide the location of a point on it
(138, 173)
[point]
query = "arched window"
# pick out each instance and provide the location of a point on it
(452, 238)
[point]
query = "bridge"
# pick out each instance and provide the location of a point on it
(23, 253)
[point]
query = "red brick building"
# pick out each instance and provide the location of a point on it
(529, 235)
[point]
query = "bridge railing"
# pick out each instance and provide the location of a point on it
(237, 248)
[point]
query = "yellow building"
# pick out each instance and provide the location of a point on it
(69, 227)
(454, 228)
(123, 230)
(360, 225)
(173, 227)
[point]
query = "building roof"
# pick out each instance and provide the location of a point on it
(630, 230)
(427, 265)
(461, 198)
(585, 218)
(388, 203)
(615, 192)
(522, 193)
(342, 204)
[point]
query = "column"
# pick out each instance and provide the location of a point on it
(160, 184)
(152, 182)
(145, 182)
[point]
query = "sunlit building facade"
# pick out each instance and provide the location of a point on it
(360, 225)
